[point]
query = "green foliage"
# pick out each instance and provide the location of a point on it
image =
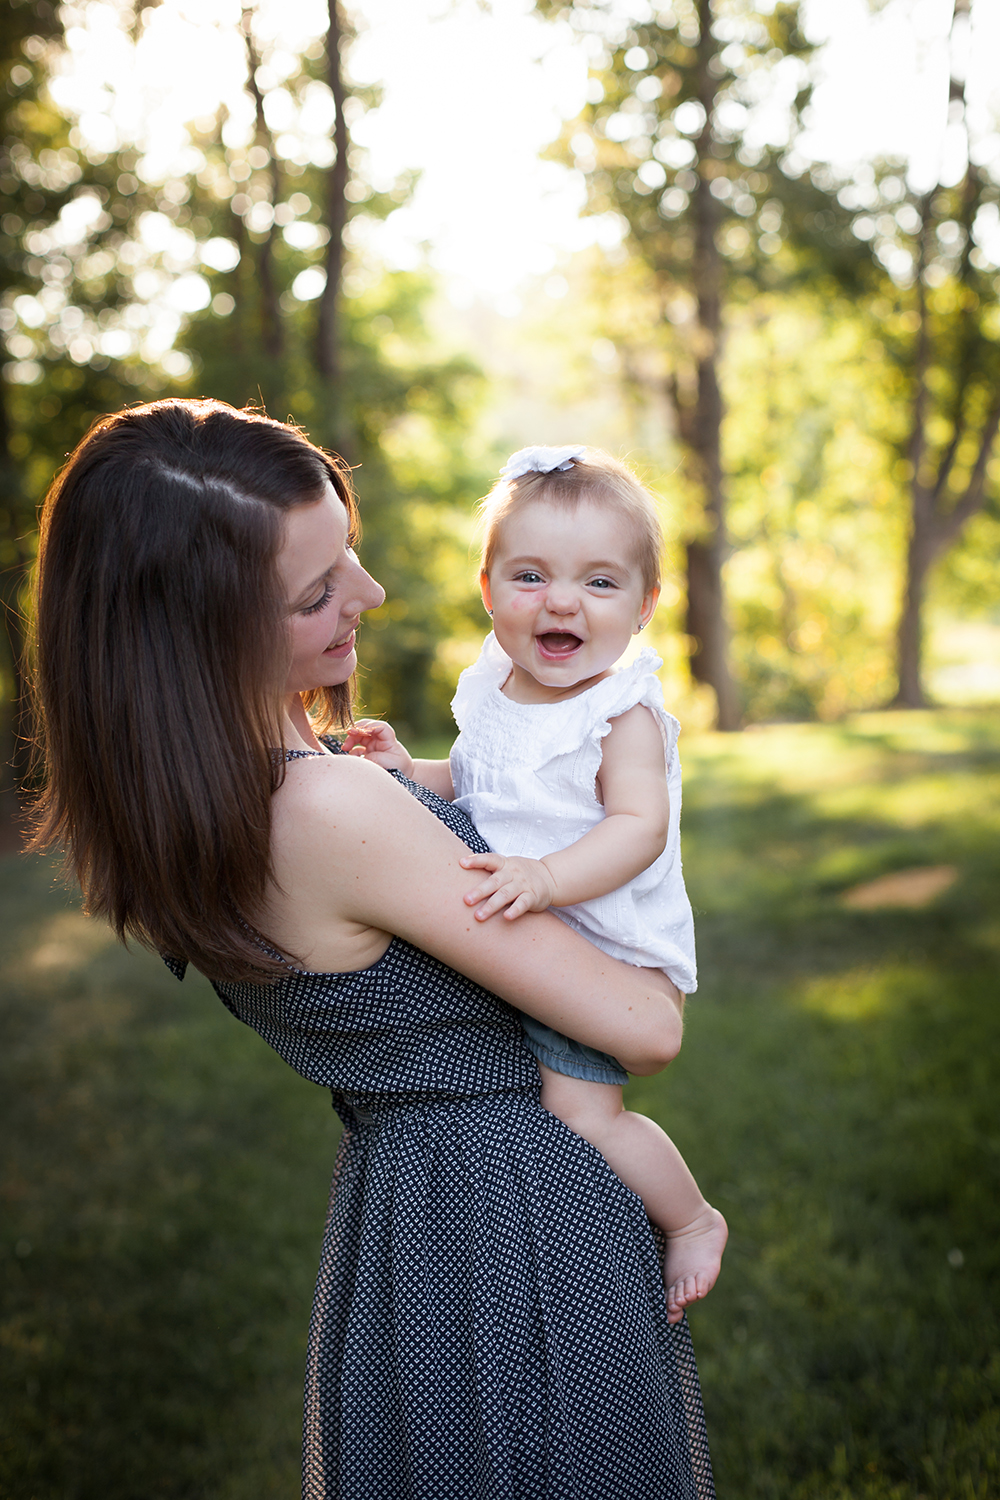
(58, 244)
(65, 277)
(410, 412)
(670, 108)
(814, 509)
(646, 138)
(240, 226)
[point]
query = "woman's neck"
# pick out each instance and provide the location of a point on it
(299, 733)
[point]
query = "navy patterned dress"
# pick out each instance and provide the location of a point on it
(489, 1320)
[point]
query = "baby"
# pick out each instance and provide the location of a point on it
(570, 772)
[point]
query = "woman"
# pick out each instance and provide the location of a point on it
(489, 1317)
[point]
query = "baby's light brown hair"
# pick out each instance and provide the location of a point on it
(597, 478)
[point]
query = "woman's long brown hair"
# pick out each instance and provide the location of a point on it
(160, 653)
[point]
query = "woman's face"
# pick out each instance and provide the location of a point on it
(327, 591)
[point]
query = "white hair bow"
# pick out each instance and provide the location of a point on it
(540, 461)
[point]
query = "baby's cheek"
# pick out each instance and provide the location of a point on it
(521, 606)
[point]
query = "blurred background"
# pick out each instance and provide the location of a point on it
(756, 252)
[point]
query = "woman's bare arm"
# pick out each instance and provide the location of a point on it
(354, 852)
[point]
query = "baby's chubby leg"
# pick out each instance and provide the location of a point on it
(648, 1162)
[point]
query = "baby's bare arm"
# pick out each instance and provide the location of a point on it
(633, 833)
(374, 740)
(435, 775)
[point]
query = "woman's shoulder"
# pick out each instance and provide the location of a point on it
(322, 793)
(343, 800)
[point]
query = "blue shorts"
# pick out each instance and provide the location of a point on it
(563, 1055)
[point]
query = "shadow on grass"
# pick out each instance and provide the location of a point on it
(837, 1096)
(164, 1191)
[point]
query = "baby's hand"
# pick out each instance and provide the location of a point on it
(377, 742)
(520, 885)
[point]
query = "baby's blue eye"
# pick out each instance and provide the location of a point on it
(527, 577)
(602, 583)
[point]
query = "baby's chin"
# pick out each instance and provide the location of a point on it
(565, 676)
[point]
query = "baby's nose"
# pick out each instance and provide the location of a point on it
(562, 600)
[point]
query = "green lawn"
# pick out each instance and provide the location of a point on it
(165, 1175)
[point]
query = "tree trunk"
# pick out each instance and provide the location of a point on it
(273, 333)
(920, 551)
(15, 749)
(910, 630)
(706, 621)
(328, 332)
(938, 513)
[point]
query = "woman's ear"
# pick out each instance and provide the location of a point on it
(484, 588)
(647, 607)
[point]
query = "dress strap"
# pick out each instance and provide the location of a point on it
(330, 741)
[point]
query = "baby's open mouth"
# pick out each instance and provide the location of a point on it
(558, 643)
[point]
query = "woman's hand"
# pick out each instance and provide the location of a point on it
(373, 740)
(518, 884)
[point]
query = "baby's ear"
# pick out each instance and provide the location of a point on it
(484, 589)
(648, 607)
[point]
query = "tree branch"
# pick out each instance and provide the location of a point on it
(273, 331)
(917, 445)
(950, 525)
(328, 329)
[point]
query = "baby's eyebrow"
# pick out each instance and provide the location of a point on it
(601, 565)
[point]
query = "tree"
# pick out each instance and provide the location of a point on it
(209, 281)
(60, 299)
(328, 332)
(303, 316)
(662, 144)
(954, 369)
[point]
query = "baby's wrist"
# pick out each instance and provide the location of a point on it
(553, 883)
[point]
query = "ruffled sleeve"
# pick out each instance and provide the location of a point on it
(489, 671)
(636, 683)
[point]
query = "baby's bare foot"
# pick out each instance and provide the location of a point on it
(692, 1261)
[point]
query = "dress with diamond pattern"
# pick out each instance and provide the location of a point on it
(489, 1320)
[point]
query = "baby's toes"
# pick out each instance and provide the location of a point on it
(682, 1292)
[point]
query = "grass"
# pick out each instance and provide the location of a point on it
(837, 1096)
(163, 1196)
(166, 1175)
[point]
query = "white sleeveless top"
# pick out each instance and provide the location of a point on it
(525, 773)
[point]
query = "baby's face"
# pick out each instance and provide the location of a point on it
(567, 595)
